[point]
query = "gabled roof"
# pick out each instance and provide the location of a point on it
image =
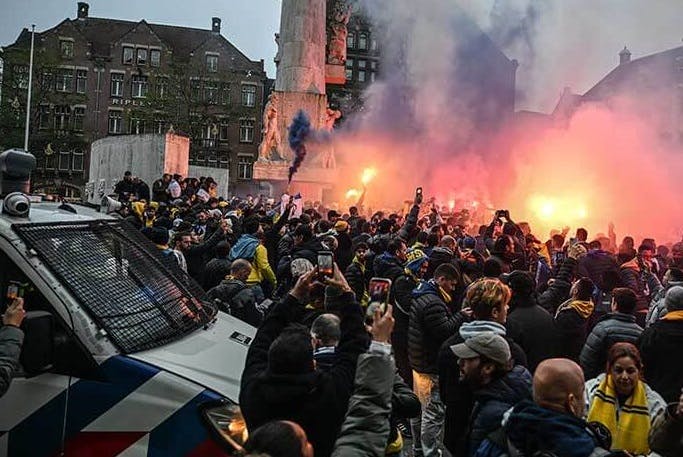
(654, 69)
(102, 32)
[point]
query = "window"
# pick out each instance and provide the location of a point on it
(225, 94)
(248, 95)
(62, 115)
(79, 117)
(142, 56)
(362, 64)
(351, 40)
(349, 69)
(246, 130)
(245, 167)
(65, 80)
(44, 117)
(46, 80)
(66, 48)
(128, 55)
(372, 76)
(161, 87)
(154, 57)
(139, 86)
(21, 74)
(137, 126)
(50, 160)
(77, 161)
(115, 121)
(373, 44)
(195, 90)
(212, 63)
(211, 92)
(64, 159)
(160, 126)
(81, 81)
(117, 84)
(361, 76)
(361, 70)
(224, 132)
(363, 41)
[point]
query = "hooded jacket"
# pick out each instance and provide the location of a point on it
(530, 428)
(237, 299)
(492, 400)
(431, 323)
(611, 328)
(596, 263)
(571, 321)
(250, 248)
(316, 400)
(439, 256)
(387, 266)
(634, 279)
(537, 333)
(658, 304)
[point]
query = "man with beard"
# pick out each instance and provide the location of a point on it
(486, 367)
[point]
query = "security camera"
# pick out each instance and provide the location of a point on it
(16, 204)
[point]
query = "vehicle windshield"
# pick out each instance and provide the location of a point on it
(121, 280)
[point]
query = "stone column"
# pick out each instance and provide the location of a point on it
(302, 44)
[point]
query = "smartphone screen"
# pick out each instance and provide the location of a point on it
(12, 291)
(378, 289)
(326, 264)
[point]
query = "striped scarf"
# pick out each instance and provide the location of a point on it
(629, 424)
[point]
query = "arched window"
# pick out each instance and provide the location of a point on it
(363, 41)
(351, 40)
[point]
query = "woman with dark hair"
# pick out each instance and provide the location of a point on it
(622, 402)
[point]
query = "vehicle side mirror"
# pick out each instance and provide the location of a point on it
(37, 352)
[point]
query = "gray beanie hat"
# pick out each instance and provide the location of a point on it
(674, 298)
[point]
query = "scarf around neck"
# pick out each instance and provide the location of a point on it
(628, 423)
(583, 308)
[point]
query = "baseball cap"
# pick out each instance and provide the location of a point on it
(486, 344)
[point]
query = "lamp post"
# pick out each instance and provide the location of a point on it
(30, 83)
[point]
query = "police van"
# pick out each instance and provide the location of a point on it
(121, 356)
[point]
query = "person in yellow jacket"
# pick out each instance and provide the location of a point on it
(249, 247)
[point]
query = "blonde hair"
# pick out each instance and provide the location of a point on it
(486, 294)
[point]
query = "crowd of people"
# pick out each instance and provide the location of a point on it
(491, 342)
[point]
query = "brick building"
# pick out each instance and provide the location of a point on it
(95, 77)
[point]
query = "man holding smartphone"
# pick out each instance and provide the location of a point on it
(11, 339)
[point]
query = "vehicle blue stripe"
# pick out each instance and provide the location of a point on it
(183, 431)
(40, 433)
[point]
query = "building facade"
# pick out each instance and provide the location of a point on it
(96, 77)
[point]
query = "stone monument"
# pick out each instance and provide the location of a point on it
(302, 57)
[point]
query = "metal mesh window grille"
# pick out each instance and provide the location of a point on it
(139, 297)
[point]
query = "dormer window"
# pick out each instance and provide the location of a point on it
(142, 56)
(66, 48)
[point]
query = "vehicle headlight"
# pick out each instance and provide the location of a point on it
(226, 423)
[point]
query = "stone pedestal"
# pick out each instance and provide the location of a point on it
(311, 182)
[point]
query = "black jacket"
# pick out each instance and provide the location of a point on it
(493, 400)
(611, 328)
(215, 271)
(457, 396)
(439, 256)
(536, 331)
(317, 400)
(596, 263)
(236, 298)
(387, 266)
(660, 347)
(197, 254)
(572, 330)
(431, 323)
(558, 291)
(355, 276)
(344, 253)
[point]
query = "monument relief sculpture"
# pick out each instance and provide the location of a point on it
(328, 158)
(339, 19)
(271, 134)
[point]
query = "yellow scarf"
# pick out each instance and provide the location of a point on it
(584, 308)
(445, 295)
(674, 316)
(631, 427)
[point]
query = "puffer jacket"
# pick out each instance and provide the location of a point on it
(215, 271)
(611, 328)
(431, 323)
(493, 400)
(355, 276)
(572, 328)
(596, 263)
(660, 346)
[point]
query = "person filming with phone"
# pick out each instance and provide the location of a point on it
(11, 339)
